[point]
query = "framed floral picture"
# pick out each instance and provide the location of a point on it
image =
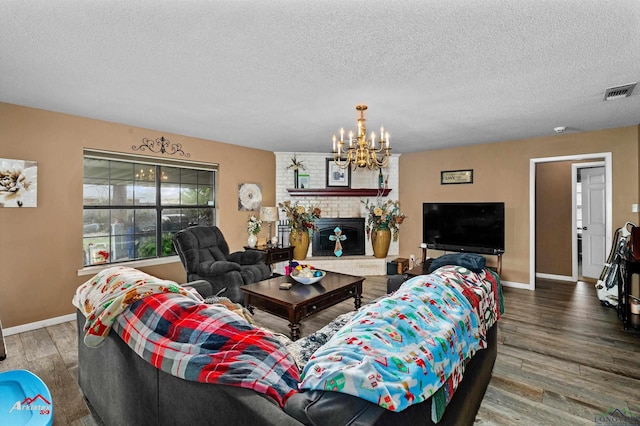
(18, 183)
(336, 176)
(249, 196)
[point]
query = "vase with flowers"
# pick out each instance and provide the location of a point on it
(302, 223)
(383, 224)
(253, 227)
(296, 165)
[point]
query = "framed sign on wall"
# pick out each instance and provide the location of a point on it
(451, 177)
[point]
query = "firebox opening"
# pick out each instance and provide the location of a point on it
(352, 229)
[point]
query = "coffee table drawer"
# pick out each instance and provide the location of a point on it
(276, 309)
(328, 301)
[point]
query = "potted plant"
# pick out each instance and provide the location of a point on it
(383, 223)
(253, 226)
(302, 222)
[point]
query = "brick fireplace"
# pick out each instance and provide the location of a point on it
(338, 207)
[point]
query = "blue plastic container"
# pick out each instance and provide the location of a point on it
(26, 400)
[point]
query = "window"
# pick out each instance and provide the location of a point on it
(133, 205)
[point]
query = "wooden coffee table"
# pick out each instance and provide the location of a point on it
(301, 300)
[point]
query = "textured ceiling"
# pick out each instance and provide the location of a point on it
(284, 75)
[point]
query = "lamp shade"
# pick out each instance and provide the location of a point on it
(268, 214)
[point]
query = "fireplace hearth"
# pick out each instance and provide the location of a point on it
(352, 229)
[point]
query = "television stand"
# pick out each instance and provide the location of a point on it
(423, 268)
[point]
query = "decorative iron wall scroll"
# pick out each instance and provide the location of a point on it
(161, 146)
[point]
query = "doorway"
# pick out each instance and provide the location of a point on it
(589, 219)
(604, 157)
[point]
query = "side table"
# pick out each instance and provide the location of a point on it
(421, 269)
(274, 254)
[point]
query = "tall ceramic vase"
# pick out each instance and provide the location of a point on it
(380, 239)
(300, 241)
(252, 240)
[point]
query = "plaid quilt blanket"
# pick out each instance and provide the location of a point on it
(208, 343)
(409, 346)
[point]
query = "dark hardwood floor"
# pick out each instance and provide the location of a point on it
(563, 359)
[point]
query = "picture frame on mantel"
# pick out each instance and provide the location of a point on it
(304, 181)
(336, 176)
(455, 177)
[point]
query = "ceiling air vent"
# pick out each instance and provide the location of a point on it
(619, 92)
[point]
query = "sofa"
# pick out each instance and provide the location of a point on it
(127, 389)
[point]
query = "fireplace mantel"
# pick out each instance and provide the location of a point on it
(338, 192)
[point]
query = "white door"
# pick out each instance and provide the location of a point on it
(593, 221)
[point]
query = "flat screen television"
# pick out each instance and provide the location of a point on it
(464, 227)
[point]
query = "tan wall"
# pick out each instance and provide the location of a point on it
(41, 248)
(554, 231)
(501, 173)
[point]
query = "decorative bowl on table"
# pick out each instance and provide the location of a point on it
(307, 275)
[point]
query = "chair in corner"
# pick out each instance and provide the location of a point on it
(205, 255)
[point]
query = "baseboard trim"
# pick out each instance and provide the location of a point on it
(38, 324)
(554, 277)
(515, 285)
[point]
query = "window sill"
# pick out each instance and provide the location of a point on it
(94, 269)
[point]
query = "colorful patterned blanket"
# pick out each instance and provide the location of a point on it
(176, 332)
(409, 346)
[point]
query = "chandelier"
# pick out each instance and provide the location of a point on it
(361, 152)
(149, 175)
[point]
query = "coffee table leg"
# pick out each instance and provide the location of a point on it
(358, 300)
(295, 330)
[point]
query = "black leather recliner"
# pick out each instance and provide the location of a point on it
(205, 255)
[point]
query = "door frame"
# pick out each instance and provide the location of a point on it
(574, 219)
(532, 202)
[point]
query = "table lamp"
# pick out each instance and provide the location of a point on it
(269, 215)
